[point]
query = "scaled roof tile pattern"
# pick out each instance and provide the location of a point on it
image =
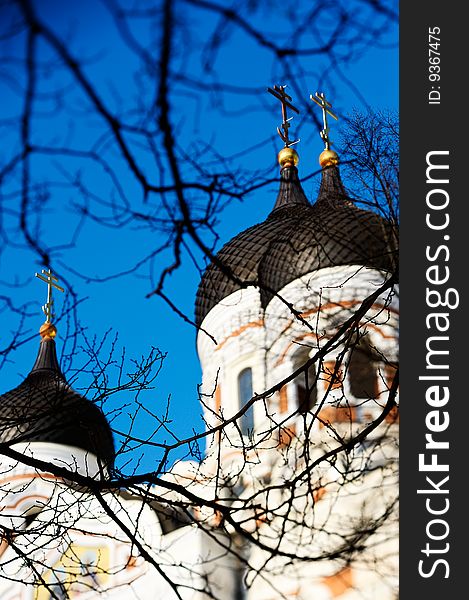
(298, 238)
(44, 408)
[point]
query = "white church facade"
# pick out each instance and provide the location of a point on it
(313, 284)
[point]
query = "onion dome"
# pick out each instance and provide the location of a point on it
(298, 238)
(44, 408)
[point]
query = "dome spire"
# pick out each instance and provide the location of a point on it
(48, 330)
(290, 191)
(287, 157)
(332, 189)
(47, 356)
(327, 158)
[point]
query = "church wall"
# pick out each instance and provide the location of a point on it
(75, 545)
(268, 342)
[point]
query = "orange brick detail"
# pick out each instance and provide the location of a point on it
(340, 414)
(328, 375)
(294, 344)
(389, 373)
(239, 331)
(393, 415)
(3, 546)
(132, 562)
(44, 499)
(318, 493)
(218, 399)
(283, 400)
(286, 435)
(340, 582)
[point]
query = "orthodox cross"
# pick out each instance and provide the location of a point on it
(51, 281)
(279, 92)
(320, 99)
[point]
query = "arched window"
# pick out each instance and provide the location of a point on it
(305, 383)
(362, 374)
(245, 394)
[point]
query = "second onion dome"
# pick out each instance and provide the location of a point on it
(298, 238)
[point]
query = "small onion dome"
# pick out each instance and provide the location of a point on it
(298, 238)
(44, 408)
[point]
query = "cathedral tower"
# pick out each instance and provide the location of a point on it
(302, 312)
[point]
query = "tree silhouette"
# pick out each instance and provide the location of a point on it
(306, 500)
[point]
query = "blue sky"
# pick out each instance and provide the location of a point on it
(226, 125)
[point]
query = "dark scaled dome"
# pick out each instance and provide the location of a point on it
(44, 408)
(298, 238)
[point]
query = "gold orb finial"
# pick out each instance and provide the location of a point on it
(328, 158)
(287, 157)
(48, 331)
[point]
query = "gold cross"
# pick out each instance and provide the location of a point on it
(51, 281)
(320, 99)
(279, 92)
